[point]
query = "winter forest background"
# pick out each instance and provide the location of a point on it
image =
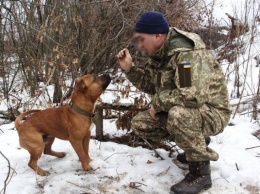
(50, 42)
(46, 44)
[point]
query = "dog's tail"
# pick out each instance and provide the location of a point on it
(18, 120)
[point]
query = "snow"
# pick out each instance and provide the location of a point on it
(244, 10)
(115, 166)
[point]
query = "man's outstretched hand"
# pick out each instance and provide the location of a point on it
(125, 59)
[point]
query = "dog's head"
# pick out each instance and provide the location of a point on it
(92, 86)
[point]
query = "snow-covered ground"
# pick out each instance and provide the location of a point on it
(122, 169)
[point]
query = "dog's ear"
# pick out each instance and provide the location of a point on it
(80, 85)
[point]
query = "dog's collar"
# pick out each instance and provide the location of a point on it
(80, 111)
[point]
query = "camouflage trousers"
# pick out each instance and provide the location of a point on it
(187, 126)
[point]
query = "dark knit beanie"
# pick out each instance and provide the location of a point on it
(152, 22)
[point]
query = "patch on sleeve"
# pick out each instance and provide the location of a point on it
(184, 70)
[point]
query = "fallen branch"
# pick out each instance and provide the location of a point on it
(252, 147)
(164, 172)
(118, 106)
(114, 154)
(77, 185)
(135, 185)
(80, 186)
(244, 100)
(157, 154)
(222, 178)
(248, 112)
(8, 173)
(237, 167)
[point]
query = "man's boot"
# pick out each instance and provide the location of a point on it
(181, 161)
(196, 180)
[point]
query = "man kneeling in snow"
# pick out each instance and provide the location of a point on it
(190, 98)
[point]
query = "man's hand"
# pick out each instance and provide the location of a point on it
(125, 59)
(152, 112)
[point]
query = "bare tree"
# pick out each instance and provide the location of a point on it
(55, 41)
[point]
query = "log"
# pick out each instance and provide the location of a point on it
(98, 120)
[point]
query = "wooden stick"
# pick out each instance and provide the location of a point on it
(237, 167)
(153, 149)
(252, 147)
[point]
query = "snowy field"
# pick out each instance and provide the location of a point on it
(121, 169)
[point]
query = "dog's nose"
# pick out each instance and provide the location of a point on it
(107, 80)
(107, 75)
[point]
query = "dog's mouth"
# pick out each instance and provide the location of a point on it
(105, 79)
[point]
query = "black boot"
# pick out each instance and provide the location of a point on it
(181, 161)
(196, 180)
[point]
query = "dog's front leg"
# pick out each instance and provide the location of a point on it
(77, 145)
(85, 144)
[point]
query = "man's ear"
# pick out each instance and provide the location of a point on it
(158, 35)
(80, 85)
(160, 38)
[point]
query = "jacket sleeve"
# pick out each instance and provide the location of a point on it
(141, 79)
(193, 75)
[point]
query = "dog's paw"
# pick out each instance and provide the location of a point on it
(61, 154)
(42, 172)
(89, 160)
(87, 167)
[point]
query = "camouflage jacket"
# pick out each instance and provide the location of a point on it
(182, 72)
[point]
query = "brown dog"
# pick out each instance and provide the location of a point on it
(66, 122)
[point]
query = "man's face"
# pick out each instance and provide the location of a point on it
(148, 43)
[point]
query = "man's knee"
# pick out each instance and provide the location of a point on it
(183, 120)
(144, 126)
(177, 112)
(180, 115)
(140, 120)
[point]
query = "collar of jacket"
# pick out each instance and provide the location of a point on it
(174, 41)
(162, 52)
